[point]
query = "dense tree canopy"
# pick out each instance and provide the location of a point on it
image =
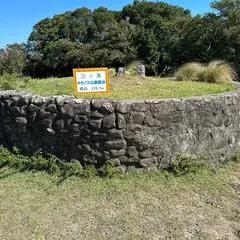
(162, 35)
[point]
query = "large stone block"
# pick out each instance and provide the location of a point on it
(52, 108)
(109, 121)
(21, 121)
(132, 151)
(135, 137)
(123, 108)
(139, 107)
(59, 124)
(96, 115)
(67, 111)
(117, 153)
(137, 117)
(82, 108)
(95, 123)
(149, 162)
(32, 108)
(107, 108)
(121, 123)
(115, 145)
(81, 119)
(97, 103)
(115, 134)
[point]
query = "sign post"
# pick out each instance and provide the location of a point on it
(90, 80)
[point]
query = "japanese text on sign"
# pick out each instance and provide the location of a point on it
(91, 80)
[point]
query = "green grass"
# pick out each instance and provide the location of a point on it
(129, 88)
(204, 205)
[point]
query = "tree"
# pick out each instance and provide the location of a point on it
(155, 21)
(226, 8)
(3, 61)
(12, 59)
(229, 13)
(116, 44)
(162, 35)
(55, 59)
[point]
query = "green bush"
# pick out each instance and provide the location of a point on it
(8, 82)
(13, 82)
(215, 72)
(185, 164)
(14, 160)
(236, 158)
(109, 170)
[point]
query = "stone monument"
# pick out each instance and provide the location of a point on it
(140, 70)
(121, 71)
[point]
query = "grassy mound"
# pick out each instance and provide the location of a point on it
(130, 88)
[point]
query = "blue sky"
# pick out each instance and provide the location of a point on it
(17, 17)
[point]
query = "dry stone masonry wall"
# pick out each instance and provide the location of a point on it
(137, 135)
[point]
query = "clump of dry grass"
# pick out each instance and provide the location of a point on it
(189, 71)
(131, 67)
(217, 71)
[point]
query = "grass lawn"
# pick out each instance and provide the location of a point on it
(204, 205)
(129, 88)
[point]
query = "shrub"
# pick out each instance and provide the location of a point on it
(185, 164)
(15, 160)
(13, 82)
(8, 82)
(109, 170)
(215, 72)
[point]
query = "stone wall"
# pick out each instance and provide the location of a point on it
(135, 134)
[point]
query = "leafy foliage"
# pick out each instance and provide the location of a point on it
(185, 164)
(15, 160)
(12, 59)
(13, 82)
(163, 36)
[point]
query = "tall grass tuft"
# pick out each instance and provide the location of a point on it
(189, 71)
(131, 67)
(217, 71)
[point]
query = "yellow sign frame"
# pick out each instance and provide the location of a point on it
(75, 70)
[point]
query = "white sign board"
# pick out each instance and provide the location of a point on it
(90, 80)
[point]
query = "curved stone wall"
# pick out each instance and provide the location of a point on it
(135, 134)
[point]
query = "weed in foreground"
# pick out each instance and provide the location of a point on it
(185, 164)
(14, 160)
